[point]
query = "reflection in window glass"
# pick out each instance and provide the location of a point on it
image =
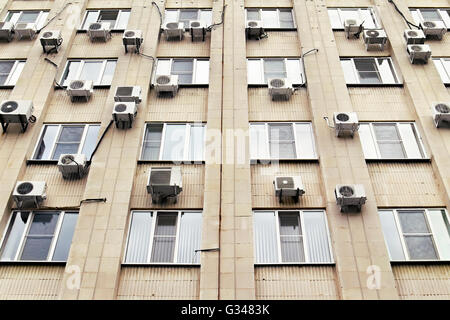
(91, 141)
(65, 237)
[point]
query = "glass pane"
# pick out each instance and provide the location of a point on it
(317, 236)
(14, 235)
(334, 18)
(190, 237)
(292, 249)
(286, 20)
(440, 66)
(367, 18)
(28, 16)
(65, 237)
(430, 14)
(186, 15)
(253, 14)
(6, 66)
(294, 71)
(391, 150)
(71, 133)
(16, 73)
(349, 74)
(164, 238)
(387, 71)
(91, 17)
(274, 68)
(91, 71)
(108, 16)
(281, 132)
(152, 142)
(391, 235)
(65, 148)
(71, 72)
(170, 15)
(410, 141)
(122, 23)
(413, 221)
(139, 237)
(196, 143)
(368, 71)
(266, 244)
(108, 74)
(290, 224)
(174, 141)
(420, 247)
(43, 224)
(282, 143)
(184, 69)
(91, 141)
(305, 141)
(45, 145)
(202, 72)
(386, 131)
(270, 18)
(282, 150)
(258, 142)
(348, 13)
(441, 232)
(36, 248)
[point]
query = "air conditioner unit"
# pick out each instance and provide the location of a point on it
(254, 29)
(51, 38)
(345, 123)
(6, 31)
(353, 27)
(80, 89)
(174, 30)
(166, 83)
(288, 186)
(441, 114)
(99, 30)
(128, 94)
(350, 196)
(29, 194)
(164, 183)
(132, 38)
(25, 30)
(124, 114)
(72, 165)
(414, 36)
(16, 111)
(198, 30)
(375, 38)
(434, 28)
(280, 88)
(419, 53)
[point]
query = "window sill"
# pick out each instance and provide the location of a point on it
(7, 87)
(41, 263)
(264, 85)
(174, 162)
(364, 85)
(419, 262)
(192, 85)
(270, 161)
(425, 160)
(299, 264)
(196, 265)
(48, 162)
(112, 31)
(280, 29)
(103, 86)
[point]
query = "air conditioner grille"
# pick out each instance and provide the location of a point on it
(195, 24)
(9, 106)
(343, 117)
(21, 26)
(77, 85)
(47, 35)
(285, 182)
(416, 48)
(442, 108)
(346, 191)
(351, 22)
(129, 34)
(124, 91)
(120, 107)
(24, 188)
(172, 25)
(160, 177)
(373, 33)
(277, 83)
(252, 24)
(67, 159)
(95, 26)
(163, 80)
(429, 24)
(412, 33)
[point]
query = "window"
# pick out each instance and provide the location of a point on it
(57, 139)
(339, 15)
(186, 15)
(174, 141)
(118, 19)
(391, 140)
(259, 70)
(189, 71)
(38, 236)
(281, 141)
(272, 18)
(443, 67)
(38, 17)
(416, 234)
(433, 14)
(291, 237)
(164, 237)
(10, 71)
(369, 71)
(101, 72)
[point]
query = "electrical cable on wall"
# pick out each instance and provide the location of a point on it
(56, 66)
(100, 140)
(221, 22)
(160, 14)
(303, 66)
(403, 16)
(48, 22)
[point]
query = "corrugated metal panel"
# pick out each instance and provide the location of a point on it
(296, 282)
(83, 47)
(422, 281)
(4, 94)
(355, 47)
(184, 48)
(262, 108)
(405, 184)
(371, 103)
(191, 197)
(278, 44)
(159, 283)
(60, 192)
(61, 109)
(190, 104)
(269, 4)
(188, 3)
(263, 192)
(30, 282)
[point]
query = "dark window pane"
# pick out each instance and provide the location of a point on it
(391, 150)
(152, 141)
(6, 66)
(420, 247)
(36, 248)
(386, 131)
(292, 249)
(413, 222)
(253, 14)
(65, 237)
(108, 16)
(14, 235)
(91, 140)
(43, 224)
(28, 16)
(289, 224)
(65, 148)
(46, 143)
(71, 134)
(164, 238)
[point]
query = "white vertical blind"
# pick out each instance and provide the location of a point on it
(294, 71)
(254, 71)
(409, 139)
(349, 72)
(14, 235)
(202, 72)
(391, 235)
(259, 145)
(367, 141)
(265, 233)
(164, 237)
(190, 237)
(441, 228)
(305, 141)
(139, 237)
(317, 236)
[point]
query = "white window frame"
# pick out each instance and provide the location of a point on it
(443, 71)
(418, 17)
(261, 71)
(359, 16)
(277, 10)
(199, 13)
(196, 75)
(187, 140)
(152, 234)
(297, 141)
(80, 69)
(401, 234)
(304, 238)
(374, 141)
(40, 20)
(26, 230)
(114, 28)
(15, 72)
(384, 80)
(58, 135)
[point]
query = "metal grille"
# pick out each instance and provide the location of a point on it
(346, 191)
(9, 106)
(160, 177)
(24, 188)
(285, 182)
(442, 108)
(163, 80)
(342, 117)
(120, 107)
(124, 91)
(277, 83)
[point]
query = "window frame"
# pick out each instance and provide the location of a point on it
(187, 140)
(156, 212)
(261, 71)
(442, 12)
(58, 135)
(375, 19)
(195, 71)
(14, 72)
(40, 20)
(394, 74)
(401, 234)
(277, 10)
(25, 232)
(80, 69)
(113, 29)
(304, 238)
(442, 70)
(199, 13)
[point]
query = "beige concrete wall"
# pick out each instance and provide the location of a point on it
(277, 44)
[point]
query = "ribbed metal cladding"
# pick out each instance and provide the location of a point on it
(371, 103)
(4, 94)
(61, 109)
(30, 282)
(188, 105)
(263, 192)
(83, 47)
(278, 44)
(184, 48)
(355, 47)
(397, 184)
(295, 282)
(191, 197)
(152, 282)
(422, 281)
(262, 108)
